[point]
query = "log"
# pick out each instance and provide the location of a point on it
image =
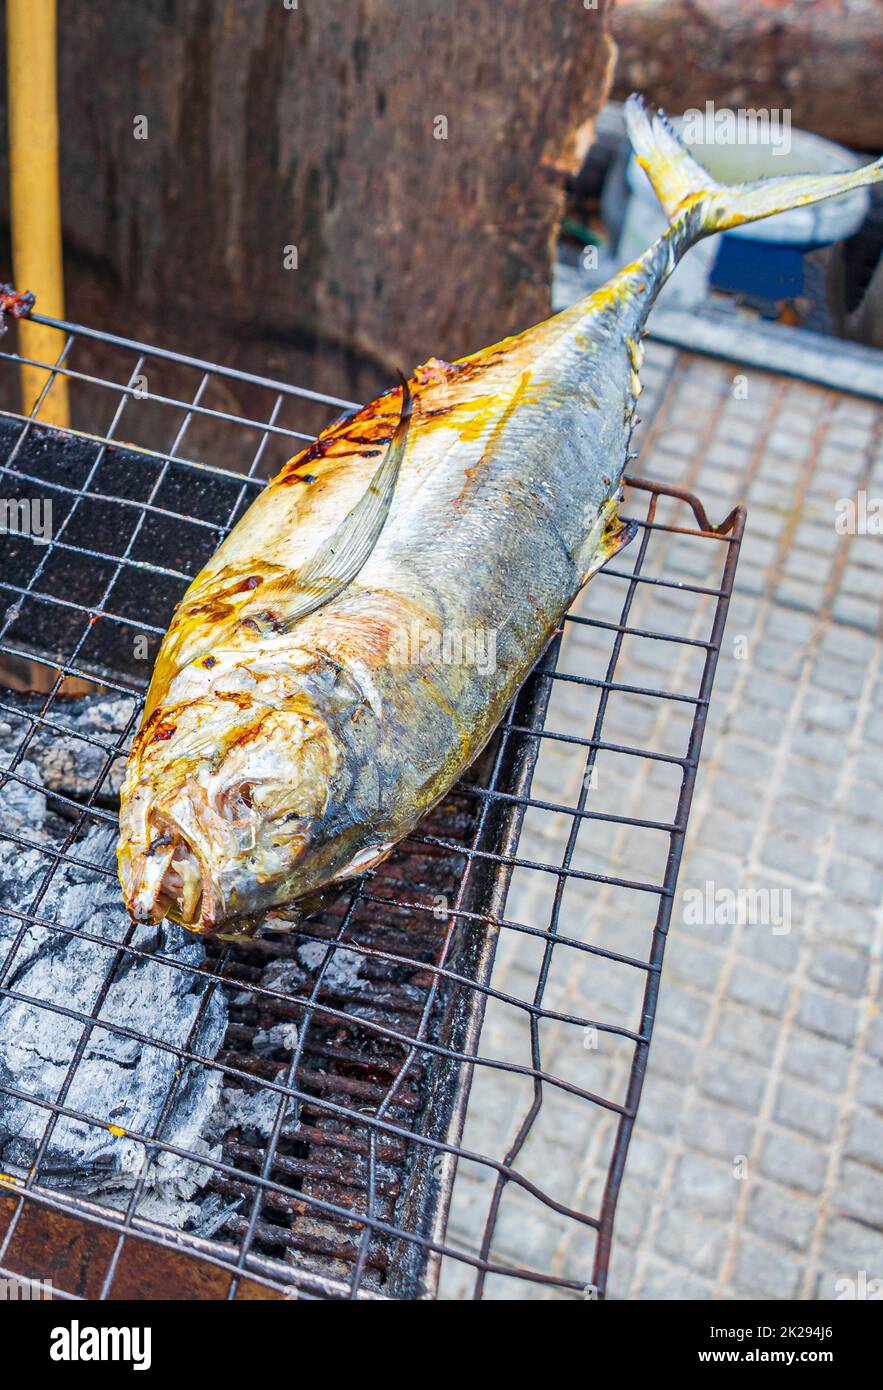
(820, 60)
(325, 191)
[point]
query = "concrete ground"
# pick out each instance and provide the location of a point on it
(756, 1168)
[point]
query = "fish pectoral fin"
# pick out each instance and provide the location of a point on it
(610, 534)
(337, 561)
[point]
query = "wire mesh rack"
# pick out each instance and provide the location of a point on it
(417, 1050)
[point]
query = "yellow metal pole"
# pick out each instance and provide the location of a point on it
(31, 32)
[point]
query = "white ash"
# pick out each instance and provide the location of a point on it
(66, 762)
(214, 1215)
(119, 1081)
(24, 806)
(295, 977)
(344, 968)
(254, 1113)
(282, 1037)
(283, 976)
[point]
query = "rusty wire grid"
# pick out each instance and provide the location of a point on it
(352, 1199)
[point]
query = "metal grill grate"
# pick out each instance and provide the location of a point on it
(353, 1199)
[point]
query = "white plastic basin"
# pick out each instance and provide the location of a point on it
(819, 225)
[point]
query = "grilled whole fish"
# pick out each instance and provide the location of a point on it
(354, 642)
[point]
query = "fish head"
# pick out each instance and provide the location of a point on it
(222, 796)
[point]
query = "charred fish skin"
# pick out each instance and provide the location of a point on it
(356, 639)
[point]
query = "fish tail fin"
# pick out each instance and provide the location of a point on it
(675, 175)
(681, 183)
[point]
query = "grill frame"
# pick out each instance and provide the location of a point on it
(418, 1234)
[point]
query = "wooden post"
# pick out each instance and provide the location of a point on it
(34, 190)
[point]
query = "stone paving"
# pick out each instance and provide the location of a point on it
(756, 1167)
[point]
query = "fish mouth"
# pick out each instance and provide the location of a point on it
(171, 881)
(196, 875)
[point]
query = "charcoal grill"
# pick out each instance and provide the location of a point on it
(355, 1202)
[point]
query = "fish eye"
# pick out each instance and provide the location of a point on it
(237, 800)
(271, 798)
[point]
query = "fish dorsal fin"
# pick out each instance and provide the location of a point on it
(336, 562)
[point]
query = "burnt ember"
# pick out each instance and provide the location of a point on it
(17, 303)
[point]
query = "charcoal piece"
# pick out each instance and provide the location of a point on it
(73, 761)
(119, 1081)
(254, 1113)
